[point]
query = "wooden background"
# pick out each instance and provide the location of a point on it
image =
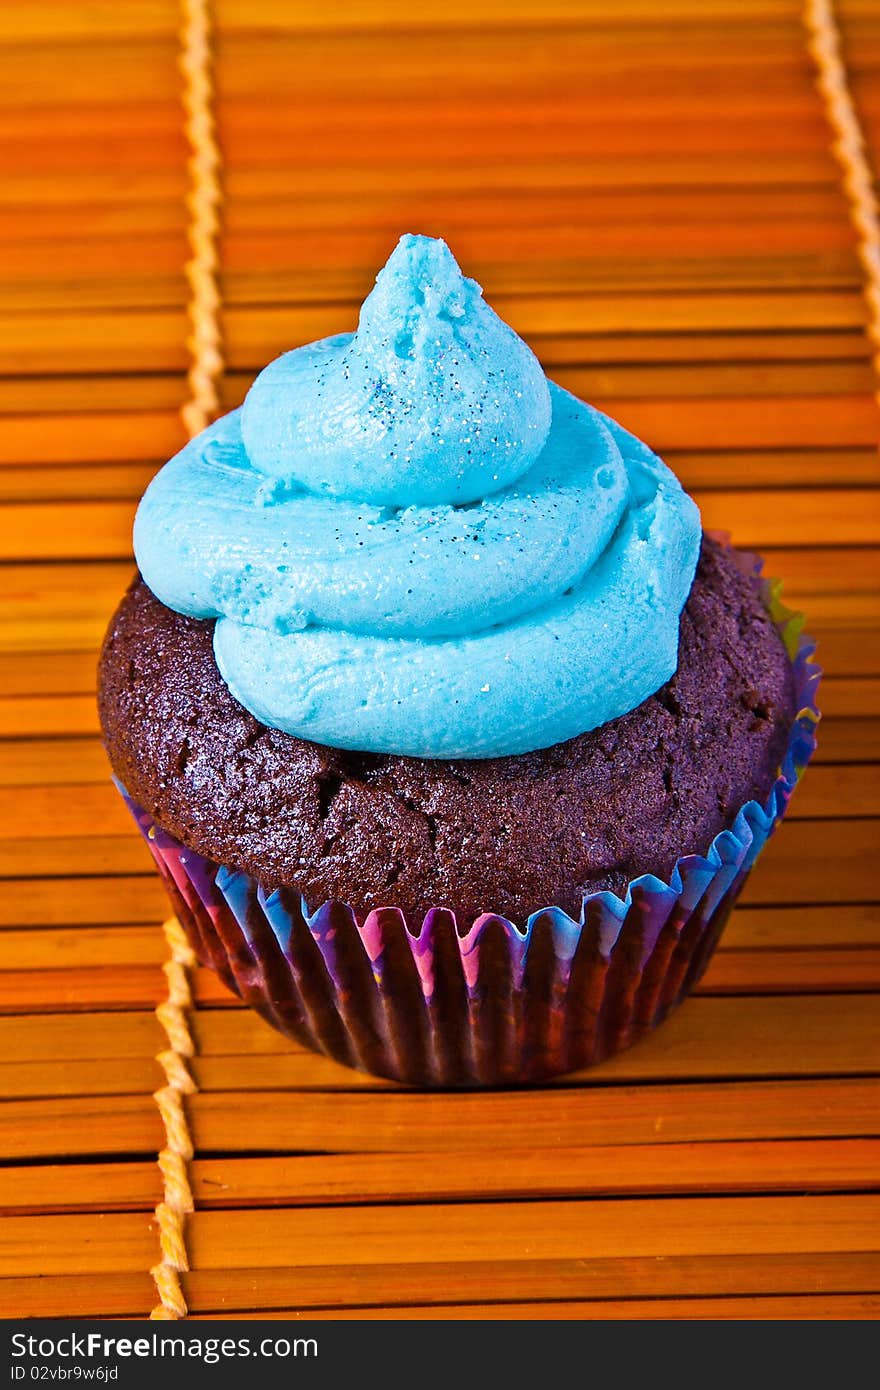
(647, 193)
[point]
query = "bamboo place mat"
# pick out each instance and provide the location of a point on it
(648, 193)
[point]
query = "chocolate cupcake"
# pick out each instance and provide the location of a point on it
(451, 734)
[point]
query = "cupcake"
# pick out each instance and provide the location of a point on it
(452, 735)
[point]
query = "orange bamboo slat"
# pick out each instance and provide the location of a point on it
(54, 18)
(829, 862)
(53, 762)
(788, 361)
(817, 252)
(364, 64)
(706, 1037)
(54, 141)
(462, 1233)
(100, 438)
(780, 1165)
(48, 673)
(95, 915)
(850, 695)
(149, 338)
(65, 484)
(137, 1076)
(567, 1230)
(136, 981)
(660, 214)
(34, 299)
(627, 378)
(794, 925)
(729, 359)
(853, 1307)
(748, 1036)
(287, 1121)
(397, 1286)
(37, 714)
(89, 902)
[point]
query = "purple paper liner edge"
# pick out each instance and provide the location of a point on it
(496, 1005)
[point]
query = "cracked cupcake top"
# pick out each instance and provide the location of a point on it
(415, 543)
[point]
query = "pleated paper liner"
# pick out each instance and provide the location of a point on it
(427, 1004)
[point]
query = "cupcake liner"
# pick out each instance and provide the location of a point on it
(427, 1004)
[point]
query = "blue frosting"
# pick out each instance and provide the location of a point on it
(414, 543)
(433, 400)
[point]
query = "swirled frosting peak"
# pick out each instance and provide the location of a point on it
(434, 399)
(414, 543)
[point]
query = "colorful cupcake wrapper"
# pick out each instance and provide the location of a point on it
(497, 1004)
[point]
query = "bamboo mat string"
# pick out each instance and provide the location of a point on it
(203, 205)
(850, 152)
(177, 1201)
(206, 367)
